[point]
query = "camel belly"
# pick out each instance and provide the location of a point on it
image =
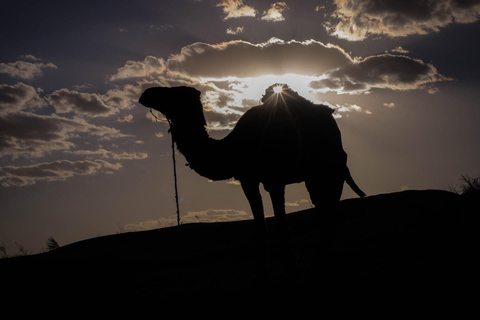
(285, 168)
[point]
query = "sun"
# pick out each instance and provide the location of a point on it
(278, 89)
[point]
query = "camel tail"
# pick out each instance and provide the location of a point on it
(353, 185)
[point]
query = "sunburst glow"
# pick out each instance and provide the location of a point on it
(277, 89)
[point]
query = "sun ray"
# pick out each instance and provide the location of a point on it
(278, 89)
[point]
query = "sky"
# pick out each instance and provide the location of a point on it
(80, 158)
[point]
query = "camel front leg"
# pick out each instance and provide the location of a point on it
(252, 192)
(277, 194)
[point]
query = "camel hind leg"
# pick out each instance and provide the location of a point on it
(277, 195)
(325, 194)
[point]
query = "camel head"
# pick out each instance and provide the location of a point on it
(176, 103)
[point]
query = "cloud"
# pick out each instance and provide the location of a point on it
(382, 71)
(129, 156)
(358, 19)
(17, 97)
(110, 154)
(348, 108)
(216, 215)
(389, 104)
(11, 176)
(233, 75)
(32, 135)
(25, 70)
(237, 30)
(243, 59)
(89, 104)
(127, 118)
(275, 12)
(158, 28)
(122, 98)
(399, 49)
(136, 69)
(330, 68)
(100, 152)
(236, 9)
(30, 57)
(150, 224)
(292, 204)
(82, 86)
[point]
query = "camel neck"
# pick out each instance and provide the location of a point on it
(203, 153)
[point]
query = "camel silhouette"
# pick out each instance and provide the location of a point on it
(287, 139)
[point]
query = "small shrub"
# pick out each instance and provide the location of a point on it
(3, 251)
(21, 250)
(51, 244)
(467, 186)
(470, 185)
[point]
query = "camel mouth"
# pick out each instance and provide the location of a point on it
(143, 100)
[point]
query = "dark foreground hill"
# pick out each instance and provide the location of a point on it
(411, 241)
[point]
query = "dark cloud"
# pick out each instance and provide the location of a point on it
(30, 57)
(382, 71)
(357, 19)
(244, 59)
(29, 134)
(24, 69)
(53, 171)
(89, 104)
(17, 97)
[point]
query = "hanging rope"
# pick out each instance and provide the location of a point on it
(174, 165)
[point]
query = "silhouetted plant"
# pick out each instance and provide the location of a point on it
(21, 250)
(468, 185)
(3, 251)
(51, 244)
